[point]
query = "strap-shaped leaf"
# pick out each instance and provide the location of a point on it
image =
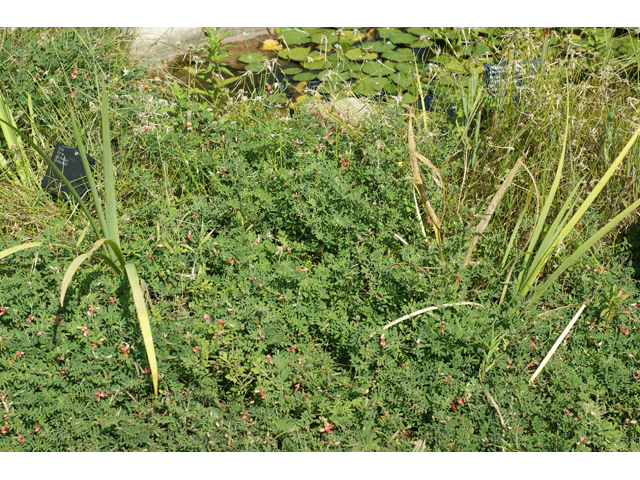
(143, 318)
(81, 258)
(17, 248)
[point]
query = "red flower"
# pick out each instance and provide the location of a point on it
(3, 430)
(344, 163)
(270, 359)
(533, 345)
(297, 387)
(20, 438)
(189, 127)
(195, 349)
(94, 345)
(36, 428)
(262, 394)
(327, 428)
(383, 342)
(207, 317)
(74, 74)
(453, 406)
(460, 400)
(231, 260)
(293, 348)
(73, 94)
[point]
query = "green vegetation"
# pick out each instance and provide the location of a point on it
(312, 284)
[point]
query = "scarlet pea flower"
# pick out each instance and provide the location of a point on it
(270, 359)
(20, 438)
(74, 74)
(295, 144)
(196, 349)
(91, 310)
(19, 354)
(2, 310)
(460, 400)
(94, 345)
(509, 361)
(207, 317)
(293, 348)
(269, 88)
(383, 342)
(297, 387)
(112, 300)
(36, 428)
(147, 369)
(327, 428)
(73, 94)
(533, 345)
(3, 430)
(262, 394)
(231, 260)
(453, 406)
(344, 163)
(124, 350)
(189, 127)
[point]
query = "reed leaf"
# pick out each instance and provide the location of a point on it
(17, 248)
(143, 318)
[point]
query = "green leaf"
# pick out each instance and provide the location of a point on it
(17, 248)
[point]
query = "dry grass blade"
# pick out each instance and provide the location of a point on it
(432, 218)
(429, 309)
(557, 344)
(489, 213)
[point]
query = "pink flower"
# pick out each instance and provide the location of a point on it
(231, 260)
(2, 310)
(147, 369)
(270, 359)
(36, 428)
(91, 310)
(112, 300)
(19, 354)
(295, 144)
(383, 342)
(297, 387)
(20, 438)
(3, 430)
(73, 94)
(293, 348)
(207, 317)
(262, 394)
(533, 345)
(196, 349)
(146, 87)
(124, 350)
(94, 345)
(189, 127)
(460, 400)
(74, 74)
(510, 362)
(327, 428)
(269, 88)
(344, 163)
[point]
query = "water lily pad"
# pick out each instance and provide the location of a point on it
(357, 54)
(331, 38)
(315, 65)
(385, 33)
(421, 31)
(252, 58)
(271, 44)
(480, 49)
(408, 98)
(400, 79)
(405, 67)
(377, 69)
(292, 71)
(298, 54)
(305, 76)
(370, 85)
(400, 55)
(295, 36)
(351, 36)
(403, 38)
(380, 47)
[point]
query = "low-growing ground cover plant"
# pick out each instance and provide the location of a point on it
(276, 249)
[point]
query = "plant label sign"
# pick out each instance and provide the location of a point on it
(68, 160)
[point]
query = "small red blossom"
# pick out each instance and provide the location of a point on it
(112, 300)
(189, 127)
(533, 345)
(509, 361)
(453, 406)
(262, 394)
(315, 149)
(344, 163)
(74, 74)
(460, 400)
(124, 350)
(147, 369)
(297, 387)
(207, 317)
(20, 439)
(4, 430)
(231, 261)
(270, 359)
(29, 318)
(36, 428)
(146, 87)
(91, 310)
(293, 348)
(196, 349)
(383, 342)
(327, 428)
(73, 94)
(269, 88)
(2, 310)
(19, 354)
(295, 144)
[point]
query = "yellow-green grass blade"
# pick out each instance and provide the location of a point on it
(516, 229)
(145, 327)
(81, 258)
(598, 188)
(22, 168)
(107, 166)
(548, 243)
(58, 173)
(530, 265)
(108, 261)
(584, 248)
(17, 248)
